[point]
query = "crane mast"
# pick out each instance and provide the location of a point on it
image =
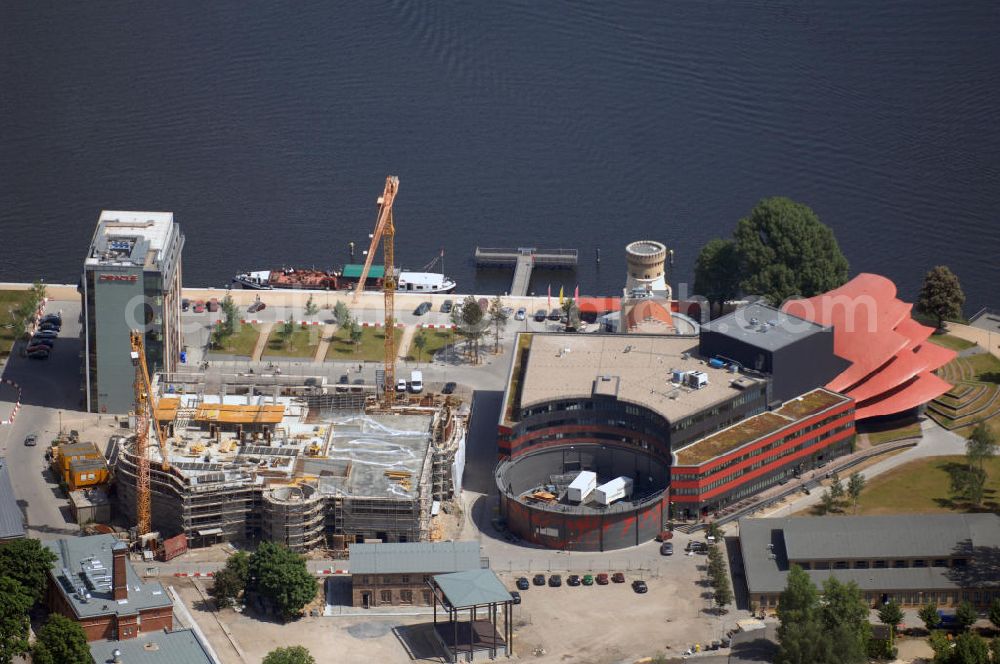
(143, 415)
(385, 230)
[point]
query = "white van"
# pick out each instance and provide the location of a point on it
(416, 381)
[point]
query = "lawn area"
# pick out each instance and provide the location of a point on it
(371, 348)
(808, 404)
(746, 431)
(950, 341)
(241, 343)
(922, 486)
(898, 433)
(436, 340)
(303, 342)
(9, 300)
(985, 363)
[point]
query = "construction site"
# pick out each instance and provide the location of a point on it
(293, 464)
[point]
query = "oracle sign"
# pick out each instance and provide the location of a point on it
(118, 277)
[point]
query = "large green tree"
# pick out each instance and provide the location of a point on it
(970, 649)
(786, 251)
(941, 295)
(15, 603)
(27, 562)
(280, 576)
(929, 615)
(800, 633)
(891, 614)
(717, 271)
(965, 616)
(845, 617)
(231, 581)
(994, 614)
(61, 641)
(469, 322)
(855, 485)
(289, 655)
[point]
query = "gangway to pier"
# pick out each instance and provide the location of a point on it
(524, 260)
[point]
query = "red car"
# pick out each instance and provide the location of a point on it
(213, 305)
(602, 579)
(618, 577)
(199, 307)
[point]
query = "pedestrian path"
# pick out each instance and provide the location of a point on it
(404, 342)
(265, 333)
(326, 336)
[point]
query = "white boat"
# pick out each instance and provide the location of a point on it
(424, 282)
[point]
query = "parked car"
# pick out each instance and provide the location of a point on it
(696, 546)
(538, 580)
(664, 536)
(48, 342)
(38, 348)
(588, 579)
(520, 313)
(401, 386)
(46, 334)
(52, 318)
(515, 597)
(555, 580)
(49, 326)
(522, 583)
(667, 549)
(358, 385)
(555, 314)
(422, 309)
(506, 311)
(446, 306)
(39, 355)
(602, 579)
(573, 580)
(342, 383)
(448, 388)
(639, 586)
(540, 316)
(256, 306)
(618, 577)
(212, 305)
(484, 304)
(31, 440)
(199, 307)
(185, 304)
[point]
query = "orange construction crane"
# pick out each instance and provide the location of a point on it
(385, 230)
(144, 418)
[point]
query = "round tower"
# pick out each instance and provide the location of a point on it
(646, 261)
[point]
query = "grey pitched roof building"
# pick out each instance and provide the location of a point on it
(178, 647)
(414, 557)
(879, 543)
(11, 517)
(472, 588)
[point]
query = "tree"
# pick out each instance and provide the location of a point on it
(61, 641)
(826, 502)
(784, 251)
(717, 272)
(231, 316)
(723, 592)
(844, 615)
(287, 331)
(995, 649)
(14, 606)
(929, 615)
(801, 637)
(290, 655)
(27, 562)
(941, 295)
(341, 314)
(498, 321)
(994, 613)
(311, 308)
(355, 333)
(968, 483)
(836, 489)
(941, 645)
(468, 321)
(280, 576)
(965, 616)
(231, 581)
(420, 342)
(971, 649)
(855, 485)
(713, 529)
(891, 614)
(980, 447)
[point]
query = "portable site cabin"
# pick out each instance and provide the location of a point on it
(582, 486)
(616, 489)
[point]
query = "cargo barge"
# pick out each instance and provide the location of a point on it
(344, 279)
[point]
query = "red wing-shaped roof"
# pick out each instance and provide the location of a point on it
(890, 359)
(925, 387)
(900, 369)
(598, 305)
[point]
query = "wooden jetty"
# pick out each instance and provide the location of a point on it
(524, 260)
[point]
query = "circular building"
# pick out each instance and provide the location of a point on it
(646, 260)
(540, 504)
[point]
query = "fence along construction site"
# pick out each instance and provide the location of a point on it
(294, 462)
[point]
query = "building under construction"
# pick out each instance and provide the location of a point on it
(300, 464)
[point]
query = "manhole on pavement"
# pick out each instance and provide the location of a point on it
(369, 630)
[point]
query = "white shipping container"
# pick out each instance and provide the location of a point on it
(582, 486)
(616, 489)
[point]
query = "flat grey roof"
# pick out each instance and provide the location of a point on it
(413, 557)
(894, 537)
(84, 567)
(637, 367)
(772, 330)
(129, 238)
(472, 588)
(178, 647)
(11, 517)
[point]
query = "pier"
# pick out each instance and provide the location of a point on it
(524, 260)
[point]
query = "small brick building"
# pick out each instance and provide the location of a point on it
(93, 583)
(397, 574)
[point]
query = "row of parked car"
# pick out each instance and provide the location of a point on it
(555, 580)
(44, 338)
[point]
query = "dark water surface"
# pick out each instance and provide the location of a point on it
(268, 128)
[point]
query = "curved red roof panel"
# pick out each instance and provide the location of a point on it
(925, 387)
(648, 310)
(598, 305)
(890, 359)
